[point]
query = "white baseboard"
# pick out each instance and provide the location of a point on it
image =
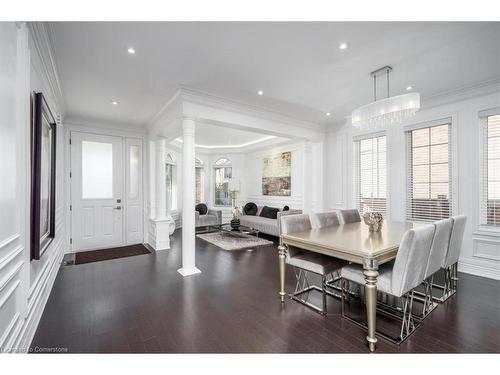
(477, 269)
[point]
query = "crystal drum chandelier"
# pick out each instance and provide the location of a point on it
(383, 112)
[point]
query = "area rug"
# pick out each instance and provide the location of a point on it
(113, 253)
(233, 240)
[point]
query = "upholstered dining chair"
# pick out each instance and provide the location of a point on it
(324, 220)
(305, 262)
(401, 277)
(450, 260)
(350, 216)
(328, 220)
(439, 248)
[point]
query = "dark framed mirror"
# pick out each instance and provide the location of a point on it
(43, 176)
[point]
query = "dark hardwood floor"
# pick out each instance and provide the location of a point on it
(141, 304)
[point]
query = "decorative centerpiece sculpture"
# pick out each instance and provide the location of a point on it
(374, 221)
(235, 222)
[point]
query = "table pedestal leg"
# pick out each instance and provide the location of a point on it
(281, 256)
(371, 274)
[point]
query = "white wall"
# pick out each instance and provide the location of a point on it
(247, 168)
(24, 285)
(253, 177)
(481, 250)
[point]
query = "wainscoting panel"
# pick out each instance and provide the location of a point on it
(11, 264)
(486, 249)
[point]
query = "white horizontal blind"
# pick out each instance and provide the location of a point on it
(490, 171)
(429, 173)
(370, 174)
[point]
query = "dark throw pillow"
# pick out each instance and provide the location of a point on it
(269, 212)
(250, 209)
(286, 208)
(201, 208)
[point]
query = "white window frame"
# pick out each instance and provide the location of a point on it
(452, 172)
(357, 166)
(201, 166)
(171, 203)
(483, 165)
(221, 162)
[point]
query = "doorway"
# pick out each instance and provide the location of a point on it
(106, 191)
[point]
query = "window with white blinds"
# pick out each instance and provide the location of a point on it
(370, 174)
(490, 171)
(429, 173)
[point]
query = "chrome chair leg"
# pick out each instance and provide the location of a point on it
(408, 324)
(404, 314)
(450, 283)
(323, 292)
(448, 289)
(428, 299)
(303, 287)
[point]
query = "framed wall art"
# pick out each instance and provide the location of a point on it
(276, 174)
(43, 176)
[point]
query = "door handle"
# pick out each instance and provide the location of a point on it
(118, 207)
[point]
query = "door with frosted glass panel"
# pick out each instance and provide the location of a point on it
(96, 191)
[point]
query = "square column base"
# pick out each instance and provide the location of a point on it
(188, 271)
(159, 233)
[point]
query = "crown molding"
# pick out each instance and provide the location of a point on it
(189, 95)
(42, 36)
(104, 125)
(201, 97)
(169, 107)
(462, 93)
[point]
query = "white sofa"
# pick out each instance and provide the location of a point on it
(264, 224)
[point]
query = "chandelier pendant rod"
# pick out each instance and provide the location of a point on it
(386, 69)
(387, 82)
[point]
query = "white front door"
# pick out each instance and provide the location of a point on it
(96, 191)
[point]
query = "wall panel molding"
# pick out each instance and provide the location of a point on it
(486, 249)
(27, 330)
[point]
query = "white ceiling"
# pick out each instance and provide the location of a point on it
(298, 65)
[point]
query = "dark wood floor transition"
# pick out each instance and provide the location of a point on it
(141, 304)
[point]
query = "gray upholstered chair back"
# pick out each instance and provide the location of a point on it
(439, 246)
(457, 235)
(295, 223)
(324, 220)
(411, 260)
(292, 224)
(350, 216)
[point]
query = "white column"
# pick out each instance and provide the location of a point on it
(161, 191)
(188, 199)
(307, 189)
(152, 179)
(161, 225)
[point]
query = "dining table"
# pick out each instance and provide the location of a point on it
(355, 243)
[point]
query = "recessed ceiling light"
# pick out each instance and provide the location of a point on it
(114, 102)
(328, 113)
(131, 51)
(260, 92)
(409, 88)
(343, 45)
